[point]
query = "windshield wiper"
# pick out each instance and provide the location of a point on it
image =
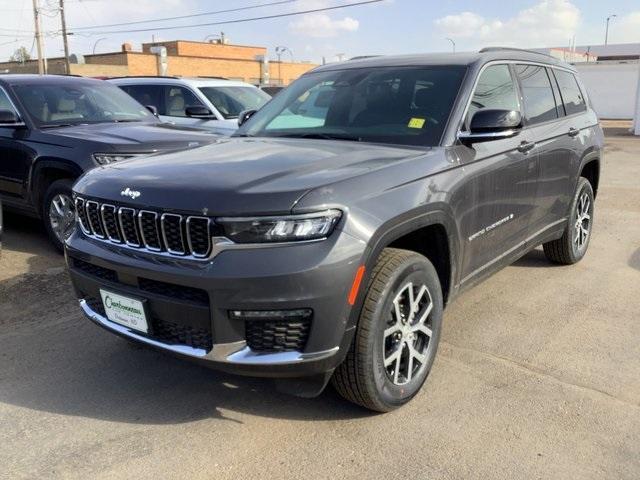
(323, 136)
(56, 125)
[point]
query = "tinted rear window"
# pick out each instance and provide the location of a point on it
(571, 95)
(539, 103)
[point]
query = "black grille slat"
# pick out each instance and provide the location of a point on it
(172, 233)
(82, 215)
(110, 222)
(149, 230)
(277, 335)
(128, 226)
(95, 270)
(166, 233)
(179, 292)
(93, 215)
(199, 236)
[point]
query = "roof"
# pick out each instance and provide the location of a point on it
(612, 50)
(463, 58)
(16, 79)
(193, 81)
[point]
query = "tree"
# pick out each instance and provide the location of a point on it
(20, 55)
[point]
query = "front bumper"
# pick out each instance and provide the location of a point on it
(314, 276)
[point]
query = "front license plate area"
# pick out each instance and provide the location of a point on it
(126, 311)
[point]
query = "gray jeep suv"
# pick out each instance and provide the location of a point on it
(324, 239)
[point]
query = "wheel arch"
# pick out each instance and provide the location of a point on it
(47, 171)
(590, 169)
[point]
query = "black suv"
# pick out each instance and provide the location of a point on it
(323, 242)
(54, 128)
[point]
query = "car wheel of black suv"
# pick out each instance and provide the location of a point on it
(397, 334)
(572, 246)
(58, 212)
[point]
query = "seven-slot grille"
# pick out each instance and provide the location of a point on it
(178, 235)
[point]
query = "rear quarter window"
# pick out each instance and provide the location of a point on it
(572, 97)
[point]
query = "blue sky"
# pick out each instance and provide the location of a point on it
(391, 26)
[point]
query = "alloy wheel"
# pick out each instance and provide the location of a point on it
(62, 216)
(582, 226)
(407, 336)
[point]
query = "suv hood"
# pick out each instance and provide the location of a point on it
(238, 176)
(134, 136)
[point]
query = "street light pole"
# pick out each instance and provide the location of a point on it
(95, 44)
(606, 32)
(452, 44)
(36, 19)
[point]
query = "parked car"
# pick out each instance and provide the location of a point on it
(208, 103)
(54, 128)
(313, 250)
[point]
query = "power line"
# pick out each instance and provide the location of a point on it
(203, 14)
(241, 20)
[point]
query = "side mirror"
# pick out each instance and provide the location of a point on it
(244, 116)
(199, 111)
(491, 124)
(152, 109)
(8, 118)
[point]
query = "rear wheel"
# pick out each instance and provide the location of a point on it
(572, 246)
(397, 334)
(58, 212)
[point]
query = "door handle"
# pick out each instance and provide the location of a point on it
(525, 146)
(573, 132)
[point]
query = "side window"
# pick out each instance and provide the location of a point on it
(147, 95)
(571, 95)
(5, 103)
(495, 90)
(177, 99)
(539, 104)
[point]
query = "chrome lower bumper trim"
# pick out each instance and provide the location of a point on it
(232, 353)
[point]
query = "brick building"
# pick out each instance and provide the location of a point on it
(183, 58)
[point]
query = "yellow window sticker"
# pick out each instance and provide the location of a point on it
(416, 122)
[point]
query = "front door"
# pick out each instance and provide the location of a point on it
(498, 198)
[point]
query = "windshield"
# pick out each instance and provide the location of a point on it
(399, 105)
(230, 101)
(56, 104)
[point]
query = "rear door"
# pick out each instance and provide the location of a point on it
(546, 123)
(497, 200)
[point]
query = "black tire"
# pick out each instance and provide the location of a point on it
(363, 378)
(568, 250)
(58, 187)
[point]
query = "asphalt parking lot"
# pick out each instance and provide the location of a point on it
(538, 376)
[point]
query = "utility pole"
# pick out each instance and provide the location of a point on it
(36, 18)
(67, 66)
(453, 44)
(606, 32)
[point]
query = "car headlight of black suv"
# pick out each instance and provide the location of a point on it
(106, 158)
(288, 228)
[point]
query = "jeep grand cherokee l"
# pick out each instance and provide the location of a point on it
(324, 247)
(54, 128)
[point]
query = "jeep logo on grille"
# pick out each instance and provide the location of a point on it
(127, 192)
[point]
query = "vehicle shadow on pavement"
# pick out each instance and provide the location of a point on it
(634, 260)
(54, 360)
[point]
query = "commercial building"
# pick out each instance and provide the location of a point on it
(179, 58)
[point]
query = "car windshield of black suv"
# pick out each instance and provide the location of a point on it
(396, 105)
(230, 101)
(53, 105)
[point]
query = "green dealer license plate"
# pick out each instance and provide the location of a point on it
(125, 311)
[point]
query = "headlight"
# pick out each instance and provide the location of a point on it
(106, 158)
(290, 228)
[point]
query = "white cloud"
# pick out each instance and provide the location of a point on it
(323, 26)
(549, 22)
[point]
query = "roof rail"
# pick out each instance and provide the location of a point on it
(212, 77)
(498, 49)
(144, 76)
(362, 57)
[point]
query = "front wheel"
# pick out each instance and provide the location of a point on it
(58, 212)
(397, 334)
